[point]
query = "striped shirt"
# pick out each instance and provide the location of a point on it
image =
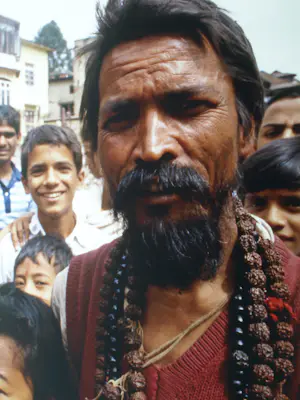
(14, 202)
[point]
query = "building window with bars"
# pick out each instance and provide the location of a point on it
(29, 74)
(29, 116)
(4, 92)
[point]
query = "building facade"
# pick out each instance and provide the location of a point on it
(65, 91)
(23, 75)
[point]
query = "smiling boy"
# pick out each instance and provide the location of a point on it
(52, 170)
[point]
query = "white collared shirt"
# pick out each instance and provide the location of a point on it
(82, 239)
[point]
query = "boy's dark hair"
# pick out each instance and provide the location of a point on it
(275, 166)
(11, 117)
(51, 135)
(50, 246)
(288, 93)
(31, 324)
(128, 20)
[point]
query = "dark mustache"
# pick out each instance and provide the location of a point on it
(171, 178)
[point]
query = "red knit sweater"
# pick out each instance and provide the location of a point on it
(200, 373)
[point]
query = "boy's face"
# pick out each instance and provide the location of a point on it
(36, 278)
(280, 208)
(52, 179)
(9, 140)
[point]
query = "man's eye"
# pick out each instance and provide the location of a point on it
(41, 284)
(121, 121)
(258, 202)
(188, 107)
(36, 172)
(291, 202)
(19, 284)
(64, 169)
(273, 133)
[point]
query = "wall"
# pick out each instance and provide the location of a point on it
(59, 92)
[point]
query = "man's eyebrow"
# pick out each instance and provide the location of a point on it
(115, 105)
(37, 165)
(189, 90)
(40, 275)
(274, 125)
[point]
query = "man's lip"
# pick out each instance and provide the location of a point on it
(285, 238)
(47, 194)
(159, 198)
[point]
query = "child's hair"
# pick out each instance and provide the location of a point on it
(274, 166)
(50, 246)
(32, 326)
(53, 136)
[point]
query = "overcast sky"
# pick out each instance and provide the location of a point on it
(271, 25)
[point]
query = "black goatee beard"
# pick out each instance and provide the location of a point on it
(167, 253)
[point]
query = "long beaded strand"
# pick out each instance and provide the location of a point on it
(261, 359)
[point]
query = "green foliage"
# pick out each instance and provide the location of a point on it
(60, 60)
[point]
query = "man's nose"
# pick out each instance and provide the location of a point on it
(51, 177)
(274, 216)
(288, 133)
(156, 142)
(2, 140)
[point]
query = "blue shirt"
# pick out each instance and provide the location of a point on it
(14, 202)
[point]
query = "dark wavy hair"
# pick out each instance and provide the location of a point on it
(289, 93)
(52, 135)
(31, 324)
(274, 166)
(10, 116)
(50, 246)
(125, 20)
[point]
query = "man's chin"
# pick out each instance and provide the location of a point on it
(177, 254)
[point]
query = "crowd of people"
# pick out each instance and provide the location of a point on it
(185, 282)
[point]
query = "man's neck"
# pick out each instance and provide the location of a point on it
(171, 311)
(62, 226)
(5, 170)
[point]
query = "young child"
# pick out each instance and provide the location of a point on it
(33, 363)
(38, 263)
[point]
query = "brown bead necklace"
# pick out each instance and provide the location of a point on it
(260, 320)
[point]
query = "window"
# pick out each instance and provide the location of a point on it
(4, 92)
(68, 109)
(8, 38)
(30, 117)
(71, 89)
(29, 74)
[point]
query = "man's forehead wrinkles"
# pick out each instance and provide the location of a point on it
(150, 64)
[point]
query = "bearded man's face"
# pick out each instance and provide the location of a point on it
(168, 138)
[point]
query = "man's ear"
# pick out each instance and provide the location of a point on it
(25, 184)
(81, 175)
(19, 137)
(248, 142)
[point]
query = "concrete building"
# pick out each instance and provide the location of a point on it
(23, 75)
(65, 91)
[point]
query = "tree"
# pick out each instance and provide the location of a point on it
(60, 60)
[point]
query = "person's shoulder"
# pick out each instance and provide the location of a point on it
(8, 256)
(86, 263)
(6, 244)
(93, 237)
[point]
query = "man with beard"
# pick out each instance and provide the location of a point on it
(193, 301)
